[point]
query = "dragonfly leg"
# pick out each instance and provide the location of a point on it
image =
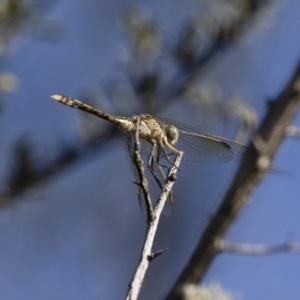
(158, 156)
(151, 166)
(167, 156)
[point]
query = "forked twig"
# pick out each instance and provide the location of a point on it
(153, 218)
(139, 165)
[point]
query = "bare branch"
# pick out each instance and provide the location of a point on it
(136, 283)
(252, 169)
(248, 249)
(137, 160)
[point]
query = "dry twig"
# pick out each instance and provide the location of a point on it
(143, 184)
(152, 220)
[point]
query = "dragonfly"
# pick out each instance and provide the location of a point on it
(166, 137)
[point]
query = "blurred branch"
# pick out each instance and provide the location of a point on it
(212, 291)
(43, 170)
(13, 14)
(255, 164)
(225, 34)
(18, 16)
(293, 131)
(258, 249)
(201, 40)
(23, 162)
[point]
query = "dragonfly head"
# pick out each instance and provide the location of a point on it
(172, 134)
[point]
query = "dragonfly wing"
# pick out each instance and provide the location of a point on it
(237, 148)
(199, 146)
(203, 148)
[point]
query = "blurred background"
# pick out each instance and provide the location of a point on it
(70, 223)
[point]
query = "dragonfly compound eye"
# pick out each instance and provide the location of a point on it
(172, 134)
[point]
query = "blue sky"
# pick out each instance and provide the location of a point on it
(79, 235)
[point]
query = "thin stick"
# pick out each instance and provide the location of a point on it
(146, 255)
(137, 160)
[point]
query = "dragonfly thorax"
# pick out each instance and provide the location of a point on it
(150, 130)
(144, 131)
